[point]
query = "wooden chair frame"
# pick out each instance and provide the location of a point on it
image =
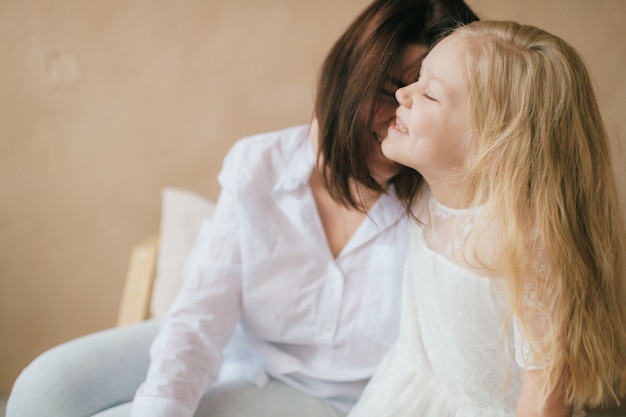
(135, 303)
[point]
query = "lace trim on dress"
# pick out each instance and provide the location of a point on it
(449, 229)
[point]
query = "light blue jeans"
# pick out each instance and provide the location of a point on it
(97, 375)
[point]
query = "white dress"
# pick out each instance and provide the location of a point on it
(456, 354)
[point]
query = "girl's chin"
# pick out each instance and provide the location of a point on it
(390, 142)
(392, 150)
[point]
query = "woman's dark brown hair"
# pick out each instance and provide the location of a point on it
(354, 76)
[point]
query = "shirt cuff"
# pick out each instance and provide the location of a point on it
(159, 407)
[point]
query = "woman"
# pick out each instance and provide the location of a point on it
(290, 294)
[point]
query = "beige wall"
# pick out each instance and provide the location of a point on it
(103, 103)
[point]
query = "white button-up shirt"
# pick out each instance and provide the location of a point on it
(263, 295)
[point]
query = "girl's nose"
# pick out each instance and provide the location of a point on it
(403, 95)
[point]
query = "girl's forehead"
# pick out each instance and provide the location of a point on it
(444, 66)
(451, 44)
(446, 57)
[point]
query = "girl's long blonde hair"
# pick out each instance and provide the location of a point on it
(543, 170)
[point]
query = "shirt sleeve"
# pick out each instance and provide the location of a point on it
(187, 353)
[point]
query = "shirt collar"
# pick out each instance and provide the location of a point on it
(299, 168)
(386, 211)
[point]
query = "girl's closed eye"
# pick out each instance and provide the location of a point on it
(429, 97)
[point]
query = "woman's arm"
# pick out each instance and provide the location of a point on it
(187, 352)
(527, 405)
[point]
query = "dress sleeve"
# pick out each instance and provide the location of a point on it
(523, 350)
(187, 353)
(536, 317)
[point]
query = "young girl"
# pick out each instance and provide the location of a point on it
(514, 292)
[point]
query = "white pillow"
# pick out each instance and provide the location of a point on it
(182, 213)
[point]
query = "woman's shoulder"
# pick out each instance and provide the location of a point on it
(265, 154)
(285, 142)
